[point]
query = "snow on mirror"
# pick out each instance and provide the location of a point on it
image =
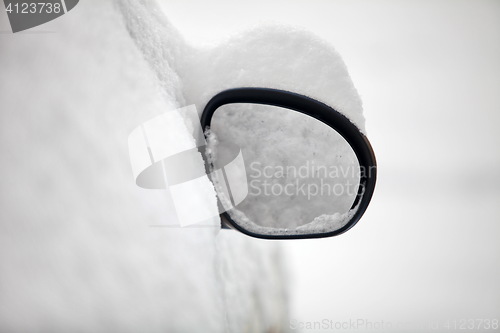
(300, 175)
(286, 166)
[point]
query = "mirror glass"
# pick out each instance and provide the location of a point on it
(296, 174)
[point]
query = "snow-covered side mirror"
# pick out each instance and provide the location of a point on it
(308, 171)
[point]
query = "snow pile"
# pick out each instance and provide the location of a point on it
(274, 56)
(80, 245)
(284, 58)
(82, 248)
(297, 169)
(326, 223)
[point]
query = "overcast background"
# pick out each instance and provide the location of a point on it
(429, 76)
(428, 246)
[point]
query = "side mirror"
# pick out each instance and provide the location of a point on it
(308, 171)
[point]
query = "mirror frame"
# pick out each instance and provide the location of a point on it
(320, 111)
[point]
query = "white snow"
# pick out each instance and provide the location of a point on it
(82, 248)
(297, 169)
